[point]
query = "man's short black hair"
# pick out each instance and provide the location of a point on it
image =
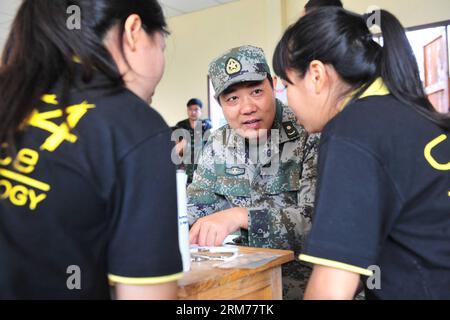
(195, 102)
(313, 4)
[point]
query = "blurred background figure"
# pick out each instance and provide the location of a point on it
(191, 145)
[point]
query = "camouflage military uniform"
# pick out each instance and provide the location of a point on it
(280, 203)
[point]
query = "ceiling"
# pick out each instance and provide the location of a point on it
(173, 8)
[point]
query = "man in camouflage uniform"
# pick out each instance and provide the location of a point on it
(191, 128)
(262, 187)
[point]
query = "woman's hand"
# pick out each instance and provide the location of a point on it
(213, 229)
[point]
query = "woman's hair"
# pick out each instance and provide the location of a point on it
(314, 4)
(41, 47)
(342, 39)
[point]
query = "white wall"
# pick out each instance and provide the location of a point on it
(8, 10)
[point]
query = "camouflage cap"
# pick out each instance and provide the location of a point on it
(241, 64)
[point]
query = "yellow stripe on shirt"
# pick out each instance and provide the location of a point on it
(335, 264)
(144, 281)
(377, 88)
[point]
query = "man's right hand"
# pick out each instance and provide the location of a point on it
(213, 229)
(181, 147)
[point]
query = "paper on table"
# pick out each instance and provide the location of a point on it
(248, 261)
(224, 253)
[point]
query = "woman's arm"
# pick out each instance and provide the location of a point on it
(328, 283)
(164, 291)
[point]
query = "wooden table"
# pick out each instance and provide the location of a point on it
(204, 282)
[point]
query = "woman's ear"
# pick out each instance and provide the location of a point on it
(132, 28)
(318, 75)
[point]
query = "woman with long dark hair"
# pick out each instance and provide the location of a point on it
(383, 197)
(87, 186)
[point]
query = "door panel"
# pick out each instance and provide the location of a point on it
(436, 73)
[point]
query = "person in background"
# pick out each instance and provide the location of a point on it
(85, 166)
(383, 196)
(193, 143)
(314, 4)
(267, 199)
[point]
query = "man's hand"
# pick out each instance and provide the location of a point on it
(213, 229)
(180, 147)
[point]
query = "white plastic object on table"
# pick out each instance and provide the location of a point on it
(183, 222)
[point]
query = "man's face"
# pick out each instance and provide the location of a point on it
(194, 112)
(249, 107)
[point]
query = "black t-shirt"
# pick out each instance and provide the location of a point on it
(100, 201)
(384, 199)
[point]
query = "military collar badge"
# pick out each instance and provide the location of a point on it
(290, 129)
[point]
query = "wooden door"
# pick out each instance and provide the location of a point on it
(436, 72)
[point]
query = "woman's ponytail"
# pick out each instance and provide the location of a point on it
(400, 72)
